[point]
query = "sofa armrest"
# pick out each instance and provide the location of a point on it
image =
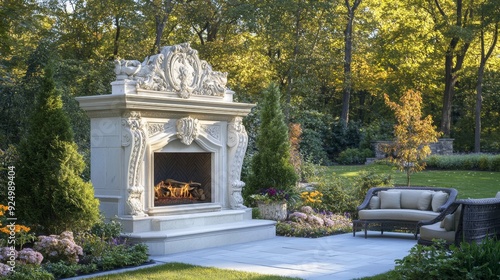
(452, 197)
(449, 210)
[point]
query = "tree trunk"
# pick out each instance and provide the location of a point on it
(479, 100)
(449, 91)
(479, 85)
(117, 37)
(291, 70)
(160, 26)
(451, 67)
(161, 19)
(347, 87)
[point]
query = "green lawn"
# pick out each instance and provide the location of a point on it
(470, 184)
(182, 271)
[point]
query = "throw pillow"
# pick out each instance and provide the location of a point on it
(438, 200)
(375, 202)
(448, 223)
(424, 201)
(390, 200)
(498, 195)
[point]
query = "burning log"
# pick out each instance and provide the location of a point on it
(176, 189)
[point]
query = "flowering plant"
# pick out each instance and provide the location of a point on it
(59, 247)
(21, 232)
(312, 198)
(271, 195)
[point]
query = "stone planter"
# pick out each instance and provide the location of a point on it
(273, 211)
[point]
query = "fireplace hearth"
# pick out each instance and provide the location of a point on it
(167, 147)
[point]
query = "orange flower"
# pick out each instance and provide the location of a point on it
(17, 228)
(5, 230)
(3, 208)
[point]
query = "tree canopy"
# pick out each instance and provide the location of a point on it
(318, 52)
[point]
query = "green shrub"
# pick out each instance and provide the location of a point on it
(367, 180)
(337, 197)
(62, 269)
(315, 132)
(354, 156)
(123, 255)
(107, 230)
(29, 272)
(468, 261)
(482, 162)
(54, 196)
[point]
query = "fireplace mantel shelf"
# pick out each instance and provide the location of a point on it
(108, 105)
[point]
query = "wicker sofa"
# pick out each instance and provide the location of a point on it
(401, 208)
(465, 220)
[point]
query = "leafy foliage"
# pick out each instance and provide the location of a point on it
(412, 133)
(483, 162)
(467, 261)
(354, 156)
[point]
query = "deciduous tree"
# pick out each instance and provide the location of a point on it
(412, 133)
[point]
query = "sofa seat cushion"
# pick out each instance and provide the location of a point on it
(397, 214)
(435, 231)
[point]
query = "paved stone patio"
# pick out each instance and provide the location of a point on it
(334, 257)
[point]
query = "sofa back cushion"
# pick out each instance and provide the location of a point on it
(438, 199)
(424, 200)
(409, 199)
(374, 202)
(390, 200)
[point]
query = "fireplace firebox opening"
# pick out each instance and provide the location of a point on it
(182, 178)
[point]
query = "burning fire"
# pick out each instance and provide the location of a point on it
(175, 189)
(180, 192)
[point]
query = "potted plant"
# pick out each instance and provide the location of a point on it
(272, 204)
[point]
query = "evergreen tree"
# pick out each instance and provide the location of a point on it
(50, 193)
(270, 165)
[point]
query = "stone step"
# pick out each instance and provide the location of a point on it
(200, 237)
(186, 221)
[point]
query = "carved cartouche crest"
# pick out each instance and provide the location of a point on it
(175, 69)
(187, 130)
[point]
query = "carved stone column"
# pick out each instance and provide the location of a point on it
(237, 141)
(134, 136)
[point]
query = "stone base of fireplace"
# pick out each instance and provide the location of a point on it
(180, 233)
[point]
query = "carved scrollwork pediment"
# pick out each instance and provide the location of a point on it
(175, 69)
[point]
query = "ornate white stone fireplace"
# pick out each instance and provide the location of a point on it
(167, 148)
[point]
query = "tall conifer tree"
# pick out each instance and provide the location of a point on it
(271, 166)
(50, 192)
